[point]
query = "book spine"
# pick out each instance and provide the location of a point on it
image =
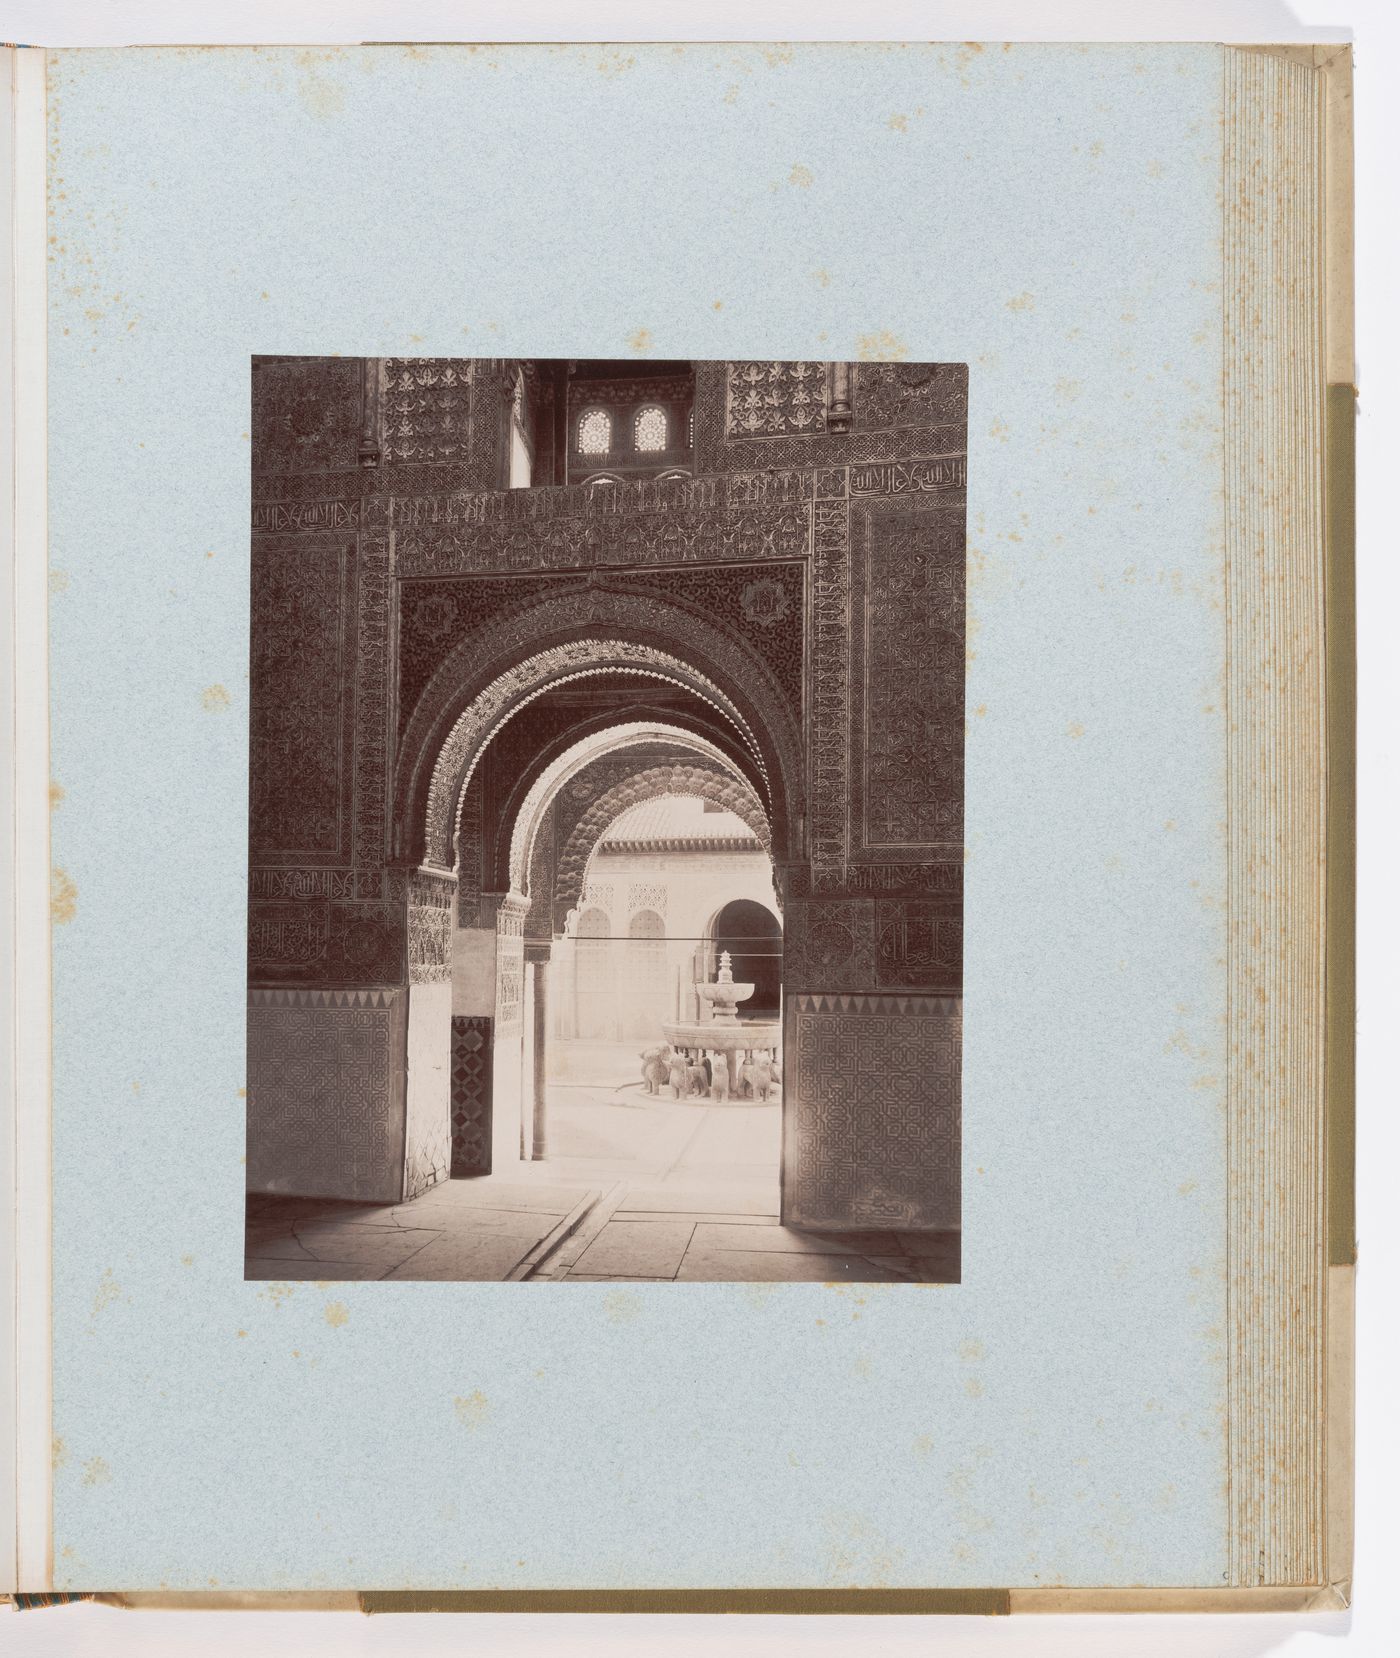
(28, 1559)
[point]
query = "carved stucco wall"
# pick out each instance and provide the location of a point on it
(328, 914)
(872, 1134)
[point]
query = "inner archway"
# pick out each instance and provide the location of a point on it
(620, 1103)
(607, 852)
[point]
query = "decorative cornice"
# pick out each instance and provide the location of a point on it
(379, 998)
(949, 1007)
(681, 843)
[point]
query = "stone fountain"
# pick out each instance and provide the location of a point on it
(739, 1051)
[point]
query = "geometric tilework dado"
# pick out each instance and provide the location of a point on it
(873, 1131)
(471, 1094)
(325, 1105)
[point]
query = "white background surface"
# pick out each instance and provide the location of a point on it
(1371, 1628)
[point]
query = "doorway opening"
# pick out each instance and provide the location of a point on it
(624, 1100)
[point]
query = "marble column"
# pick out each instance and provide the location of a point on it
(537, 959)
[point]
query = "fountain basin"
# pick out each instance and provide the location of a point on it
(736, 1042)
(722, 997)
(722, 1036)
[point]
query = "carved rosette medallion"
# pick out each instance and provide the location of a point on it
(764, 602)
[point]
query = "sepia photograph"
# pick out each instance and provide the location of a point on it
(605, 825)
(844, 867)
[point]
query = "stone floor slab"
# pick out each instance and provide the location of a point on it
(268, 1211)
(479, 1257)
(708, 1200)
(263, 1204)
(360, 1215)
(489, 1193)
(718, 1218)
(258, 1230)
(475, 1219)
(648, 1249)
(335, 1241)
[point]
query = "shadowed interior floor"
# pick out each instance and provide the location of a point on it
(635, 1188)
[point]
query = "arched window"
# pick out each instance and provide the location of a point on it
(646, 978)
(521, 462)
(649, 430)
(595, 1004)
(594, 432)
